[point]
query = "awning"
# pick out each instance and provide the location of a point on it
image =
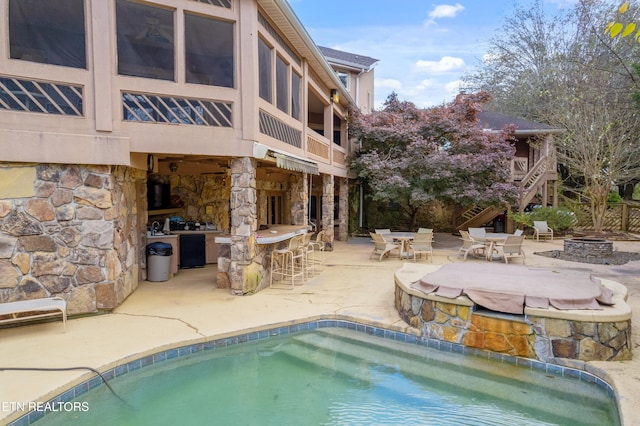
(284, 160)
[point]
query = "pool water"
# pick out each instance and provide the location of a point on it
(336, 376)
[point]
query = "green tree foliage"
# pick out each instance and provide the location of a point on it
(413, 157)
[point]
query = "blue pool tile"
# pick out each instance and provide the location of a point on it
(146, 361)
(160, 356)
(123, 369)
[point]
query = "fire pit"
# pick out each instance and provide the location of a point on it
(588, 247)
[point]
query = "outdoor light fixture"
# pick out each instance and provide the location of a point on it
(173, 167)
(334, 96)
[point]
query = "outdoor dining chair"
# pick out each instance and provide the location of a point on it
(512, 247)
(541, 229)
(381, 246)
(385, 234)
(477, 232)
(468, 245)
(422, 243)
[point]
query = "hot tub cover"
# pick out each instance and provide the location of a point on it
(509, 288)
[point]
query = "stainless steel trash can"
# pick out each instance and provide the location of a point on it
(158, 261)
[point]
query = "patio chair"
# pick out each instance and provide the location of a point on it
(512, 247)
(468, 245)
(477, 232)
(422, 243)
(541, 229)
(381, 246)
(385, 234)
(518, 232)
(425, 231)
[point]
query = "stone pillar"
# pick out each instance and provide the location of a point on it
(327, 210)
(343, 209)
(299, 199)
(244, 220)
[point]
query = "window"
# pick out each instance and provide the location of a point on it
(282, 85)
(265, 71)
(295, 95)
(49, 32)
(344, 78)
(209, 51)
(145, 40)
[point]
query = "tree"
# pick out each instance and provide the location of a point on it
(581, 81)
(414, 157)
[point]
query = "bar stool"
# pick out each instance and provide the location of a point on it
(308, 252)
(283, 262)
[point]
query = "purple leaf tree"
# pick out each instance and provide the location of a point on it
(414, 157)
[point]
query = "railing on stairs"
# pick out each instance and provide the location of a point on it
(476, 216)
(530, 184)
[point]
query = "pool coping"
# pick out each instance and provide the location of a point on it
(76, 388)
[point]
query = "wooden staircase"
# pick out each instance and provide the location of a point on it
(476, 217)
(532, 182)
(529, 188)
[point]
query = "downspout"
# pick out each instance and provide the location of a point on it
(361, 209)
(358, 86)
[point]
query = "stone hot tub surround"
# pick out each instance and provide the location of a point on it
(588, 247)
(543, 334)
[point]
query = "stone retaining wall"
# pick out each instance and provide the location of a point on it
(526, 336)
(70, 231)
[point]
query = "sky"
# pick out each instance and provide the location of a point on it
(423, 48)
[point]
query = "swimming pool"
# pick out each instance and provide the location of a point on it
(333, 375)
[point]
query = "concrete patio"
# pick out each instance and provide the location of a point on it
(189, 308)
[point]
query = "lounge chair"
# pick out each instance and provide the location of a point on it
(425, 230)
(468, 245)
(541, 229)
(518, 232)
(422, 243)
(35, 308)
(512, 247)
(381, 246)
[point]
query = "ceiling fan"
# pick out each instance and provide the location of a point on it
(155, 31)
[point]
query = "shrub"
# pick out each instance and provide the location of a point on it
(559, 219)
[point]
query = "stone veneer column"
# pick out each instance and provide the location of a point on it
(299, 199)
(343, 210)
(244, 220)
(69, 231)
(327, 210)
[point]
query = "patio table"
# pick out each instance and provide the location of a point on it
(490, 239)
(404, 238)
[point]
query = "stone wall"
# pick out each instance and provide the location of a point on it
(526, 336)
(70, 231)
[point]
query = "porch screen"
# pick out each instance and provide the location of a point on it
(48, 31)
(145, 38)
(209, 51)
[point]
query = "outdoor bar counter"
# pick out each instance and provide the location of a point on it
(274, 234)
(254, 267)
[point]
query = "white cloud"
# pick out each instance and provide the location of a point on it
(445, 64)
(445, 11)
(453, 87)
(388, 83)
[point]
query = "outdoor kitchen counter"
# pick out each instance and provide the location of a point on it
(273, 235)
